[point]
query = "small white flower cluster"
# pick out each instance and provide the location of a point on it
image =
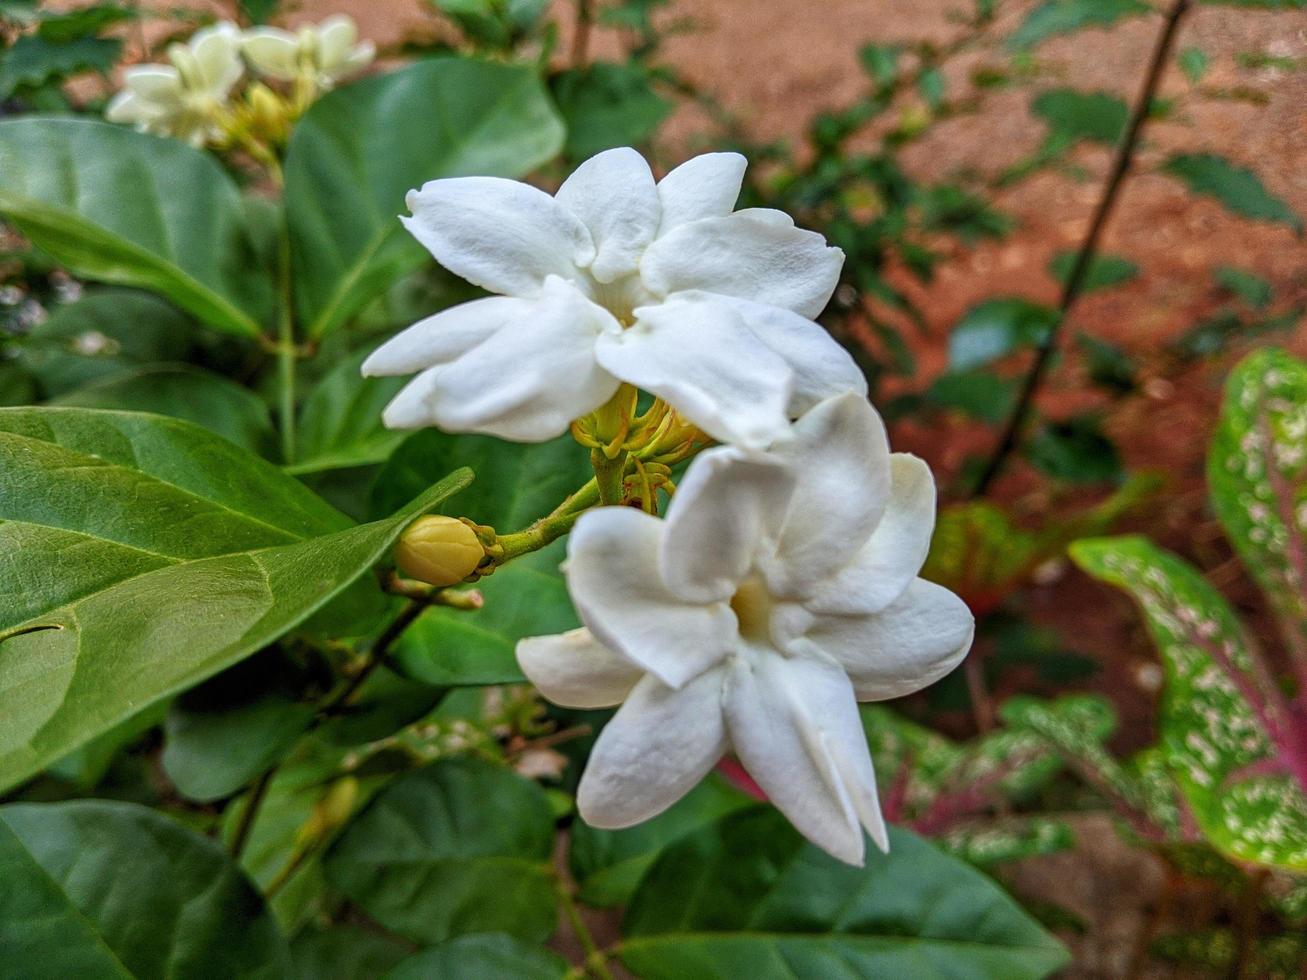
(187, 97)
(781, 588)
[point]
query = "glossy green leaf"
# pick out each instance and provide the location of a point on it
(122, 207)
(459, 847)
(99, 889)
(359, 150)
(1073, 115)
(996, 328)
(346, 953)
(489, 956)
(32, 61)
(105, 333)
(1221, 715)
(748, 896)
(1053, 17)
(188, 393)
(608, 864)
(1257, 478)
(1237, 188)
(977, 394)
(1104, 272)
(340, 420)
(1075, 449)
(148, 554)
(606, 105)
(516, 484)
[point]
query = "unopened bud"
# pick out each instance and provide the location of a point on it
(439, 551)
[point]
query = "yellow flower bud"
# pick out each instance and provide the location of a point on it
(438, 550)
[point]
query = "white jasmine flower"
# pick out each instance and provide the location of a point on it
(185, 98)
(780, 590)
(322, 53)
(618, 279)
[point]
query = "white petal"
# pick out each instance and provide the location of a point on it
(794, 725)
(126, 107)
(895, 552)
(336, 35)
(747, 255)
(822, 368)
(448, 335)
(656, 748)
(576, 670)
(705, 186)
(217, 54)
(840, 455)
(528, 380)
(159, 86)
(502, 235)
(272, 52)
(613, 194)
(612, 574)
(727, 509)
(702, 361)
(908, 645)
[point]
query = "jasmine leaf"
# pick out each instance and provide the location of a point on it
(1053, 17)
(488, 955)
(1237, 188)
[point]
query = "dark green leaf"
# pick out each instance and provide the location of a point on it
(1193, 62)
(98, 889)
(1109, 366)
(996, 328)
(33, 61)
(607, 105)
(122, 207)
(748, 897)
(340, 420)
(489, 956)
(148, 554)
(1239, 189)
(608, 864)
(1104, 272)
(1075, 450)
(358, 151)
(977, 394)
(69, 25)
(932, 85)
(881, 62)
(1054, 17)
(103, 334)
(1072, 115)
(1249, 287)
(189, 393)
(345, 953)
(17, 386)
(459, 847)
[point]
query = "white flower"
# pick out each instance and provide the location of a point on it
(323, 53)
(184, 98)
(616, 278)
(780, 590)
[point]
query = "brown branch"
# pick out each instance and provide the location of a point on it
(1075, 281)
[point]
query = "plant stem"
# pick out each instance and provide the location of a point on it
(1075, 281)
(596, 961)
(608, 476)
(581, 34)
(242, 835)
(376, 656)
(286, 352)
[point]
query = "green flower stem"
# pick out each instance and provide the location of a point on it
(608, 475)
(596, 961)
(543, 532)
(286, 352)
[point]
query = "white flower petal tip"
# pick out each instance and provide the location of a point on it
(575, 670)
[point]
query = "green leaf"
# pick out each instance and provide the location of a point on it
(1072, 115)
(996, 328)
(988, 842)
(1220, 711)
(489, 956)
(608, 864)
(748, 896)
(1255, 291)
(360, 149)
(33, 61)
(73, 24)
(105, 333)
(345, 953)
(148, 554)
(977, 394)
(1257, 479)
(99, 889)
(1054, 17)
(1104, 272)
(931, 84)
(606, 105)
(1238, 189)
(1109, 366)
(881, 63)
(1193, 62)
(189, 393)
(221, 735)
(527, 597)
(459, 847)
(340, 421)
(1075, 450)
(122, 207)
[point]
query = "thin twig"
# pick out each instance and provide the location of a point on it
(242, 835)
(1075, 281)
(376, 656)
(581, 33)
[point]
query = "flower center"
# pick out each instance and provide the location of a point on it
(621, 296)
(752, 605)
